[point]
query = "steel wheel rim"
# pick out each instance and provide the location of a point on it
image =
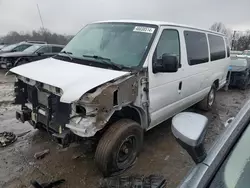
(126, 152)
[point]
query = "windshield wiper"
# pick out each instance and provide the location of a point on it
(106, 61)
(68, 54)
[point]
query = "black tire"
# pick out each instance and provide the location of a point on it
(207, 103)
(119, 147)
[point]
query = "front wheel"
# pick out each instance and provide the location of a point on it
(119, 147)
(207, 103)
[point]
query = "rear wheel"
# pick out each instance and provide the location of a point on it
(119, 146)
(207, 103)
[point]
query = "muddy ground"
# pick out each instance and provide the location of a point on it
(161, 153)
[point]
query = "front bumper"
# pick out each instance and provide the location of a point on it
(64, 137)
(5, 65)
(24, 115)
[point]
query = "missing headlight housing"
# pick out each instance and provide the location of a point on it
(80, 110)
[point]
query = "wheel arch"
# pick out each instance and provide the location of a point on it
(129, 112)
(217, 83)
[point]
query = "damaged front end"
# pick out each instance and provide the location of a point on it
(41, 105)
(98, 105)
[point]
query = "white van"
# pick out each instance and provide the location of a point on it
(116, 79)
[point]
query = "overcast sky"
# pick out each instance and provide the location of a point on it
(68, 16)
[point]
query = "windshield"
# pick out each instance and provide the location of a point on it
(9, 47)
(32, 49)
(235, 171)
(123, 43)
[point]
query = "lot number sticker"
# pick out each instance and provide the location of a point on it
(144, 29)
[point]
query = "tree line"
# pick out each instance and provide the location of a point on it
(36, 35)
(238, 40)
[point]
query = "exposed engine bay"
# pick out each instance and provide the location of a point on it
(41, 105)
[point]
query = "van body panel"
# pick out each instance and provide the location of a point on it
(103, 92)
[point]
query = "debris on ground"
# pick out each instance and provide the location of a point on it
(7, 138)
(77, 156)
(152, 181)
(52, 184)
(41, 154)
(23, 134)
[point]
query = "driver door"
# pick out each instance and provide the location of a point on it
(165, 88)
(43, 52)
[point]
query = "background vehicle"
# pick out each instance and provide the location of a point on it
(235, 53)
(18, 47)
(116, 79)
(227, 162)
(240, 76)
(32, 53)
(240, 64)
(2, 45)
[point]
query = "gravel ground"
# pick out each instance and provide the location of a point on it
(161, 153)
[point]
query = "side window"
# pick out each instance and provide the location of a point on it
(45, 49)
(56, 49)
(21, 48)
(217, 47)
(169, 43)
(228, 47)
(197, 47)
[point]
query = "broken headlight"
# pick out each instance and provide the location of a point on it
(80, 110)
(84, 109)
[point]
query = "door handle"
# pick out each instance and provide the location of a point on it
(180, 87)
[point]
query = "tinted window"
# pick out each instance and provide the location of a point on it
(21, 47)
(46, 49)
(197, 47)
(168, 44)
(217, 47)
(56, 49)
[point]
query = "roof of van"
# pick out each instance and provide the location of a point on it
(161, 23)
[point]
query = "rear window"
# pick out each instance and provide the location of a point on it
(217, 47)
(197, 47)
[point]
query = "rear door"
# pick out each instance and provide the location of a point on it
(197, 67)
(43, 52)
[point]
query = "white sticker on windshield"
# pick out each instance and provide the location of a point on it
(144, 29)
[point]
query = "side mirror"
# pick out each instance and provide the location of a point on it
(168, 63)
(190, 129)
(39, 53)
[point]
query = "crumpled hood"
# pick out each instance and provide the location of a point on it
(74, 79)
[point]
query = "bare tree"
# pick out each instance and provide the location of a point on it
(40, 35)
(219, 27)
